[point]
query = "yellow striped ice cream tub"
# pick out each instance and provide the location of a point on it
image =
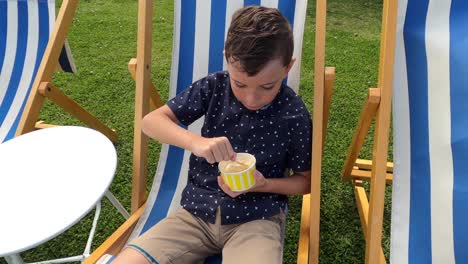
(242, 180)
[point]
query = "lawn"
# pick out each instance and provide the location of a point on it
(103, 39)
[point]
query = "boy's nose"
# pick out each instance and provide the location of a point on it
(255, 96)
(252, 99)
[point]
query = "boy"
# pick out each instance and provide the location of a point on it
(246, 109)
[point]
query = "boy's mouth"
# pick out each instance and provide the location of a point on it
(252, 107)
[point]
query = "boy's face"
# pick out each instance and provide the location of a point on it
(254, 92)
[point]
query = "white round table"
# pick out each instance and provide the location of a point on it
(49, 180)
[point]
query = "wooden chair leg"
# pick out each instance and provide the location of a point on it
(305, 228)
(143, 83)
(303, 244)
(382, 131)
(362, 203)
(114, 244)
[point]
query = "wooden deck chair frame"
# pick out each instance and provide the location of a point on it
(378, 171)
(43, 88)
(147, 99)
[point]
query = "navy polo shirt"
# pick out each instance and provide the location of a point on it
(278, 135)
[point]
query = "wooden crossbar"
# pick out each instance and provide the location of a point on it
(368, 112)
(367, 165)
(51, 92)
(365, 175)
(155, 98)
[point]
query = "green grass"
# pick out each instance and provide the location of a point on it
(103, 39)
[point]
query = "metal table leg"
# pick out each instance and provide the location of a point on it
(14, 259)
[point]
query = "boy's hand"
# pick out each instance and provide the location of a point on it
(260, 182)
(213, 149)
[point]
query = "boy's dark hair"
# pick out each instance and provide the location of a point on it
(256, 36)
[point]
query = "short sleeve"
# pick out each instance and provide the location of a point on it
(192, 103)
(300, 145)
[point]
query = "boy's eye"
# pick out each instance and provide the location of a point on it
(241, 85)
(268, 87)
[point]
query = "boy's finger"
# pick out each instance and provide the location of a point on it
(227, 152)
(210, 157)
(218, 156)
(223, 150)
(223, 186)
(226, 148)
(220, 180)
(230, 150)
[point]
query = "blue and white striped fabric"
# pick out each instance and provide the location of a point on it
(197, 51)
(430, 187)
(106, 259)
(25, 27)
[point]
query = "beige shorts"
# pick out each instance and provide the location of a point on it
(183, 238)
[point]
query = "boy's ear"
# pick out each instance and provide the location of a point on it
(288, 68)
(224, 56)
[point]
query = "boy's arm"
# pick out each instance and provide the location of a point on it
(298, 183)
(161, 125)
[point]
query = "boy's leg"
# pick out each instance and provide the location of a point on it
(179, 238)
(258, 241)
(131, 255)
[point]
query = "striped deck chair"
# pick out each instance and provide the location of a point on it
(20, 44)
(32, 42)
(430, 187)
(200, 28)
